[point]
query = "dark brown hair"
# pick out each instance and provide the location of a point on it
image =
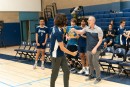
(74, 20)
(60, 20)
(122, 21)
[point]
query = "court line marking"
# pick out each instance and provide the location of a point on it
(35, 81)
(6, 84)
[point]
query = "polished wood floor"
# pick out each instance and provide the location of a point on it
(17, 74)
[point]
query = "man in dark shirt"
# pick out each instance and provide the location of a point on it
(58, 50)
(41, 38)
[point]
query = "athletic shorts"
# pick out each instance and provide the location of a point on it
(41, 46)
(72, 48)
(82, 49)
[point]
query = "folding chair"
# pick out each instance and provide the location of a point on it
(119, 57)
(103, 60)
(32, 51)
(125, 66)
(47, 51)
(21, 47)
(25, 50)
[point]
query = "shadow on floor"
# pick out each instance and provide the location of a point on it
(109, 77)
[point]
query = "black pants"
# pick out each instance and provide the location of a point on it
(56, 63)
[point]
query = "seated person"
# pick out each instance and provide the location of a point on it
(109, 36)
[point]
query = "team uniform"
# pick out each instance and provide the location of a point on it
(58, 57)
(82, 44)
(41, 36)
(122, 38)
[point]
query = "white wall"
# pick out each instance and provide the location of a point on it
(20, 5)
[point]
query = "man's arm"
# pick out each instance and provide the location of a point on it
(78, 31)
(36, 37)
(66, 50)
(46, 38)
(125, 35)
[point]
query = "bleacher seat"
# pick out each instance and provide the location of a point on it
(106, 15)
(105, 23)
(104, 27)
(117, 23)
(126, 18)
(126, 10)
(127, 23)
(127, 27)
(118, 19)
(113, 15)
(98, 20)
(99, 24)
(106, 12)
(119, 15)
(101, 12)
(126, 14)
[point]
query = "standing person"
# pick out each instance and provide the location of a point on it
(72, 43)
(58, 50)
(82, 49)
(94, 40)
(41, 39)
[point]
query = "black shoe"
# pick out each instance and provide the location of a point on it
(97, 80)
(90, 78)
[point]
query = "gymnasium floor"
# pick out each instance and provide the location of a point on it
(20, 74)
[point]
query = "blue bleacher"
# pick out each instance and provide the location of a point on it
(118, 19)
(127, 27)
(127, 23)
(119, 15)
(106, 15)
(103, 18)
(113, 15)
(126, 10)
(105, 23)
(126, 14)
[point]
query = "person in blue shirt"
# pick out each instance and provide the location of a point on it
(72, 43)
(58, 50)
(82, 45)
(41, 39)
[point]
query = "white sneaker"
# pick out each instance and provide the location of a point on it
(34, 66)
(60, 69)
(86, 71)
(42, 67)
(81, 71)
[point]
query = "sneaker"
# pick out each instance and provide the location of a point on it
(42, 67)
(60, 69)
(90, 78)
(81, 71)
(97, 81)
(72, 69)
(87, 72)
(35, 66)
